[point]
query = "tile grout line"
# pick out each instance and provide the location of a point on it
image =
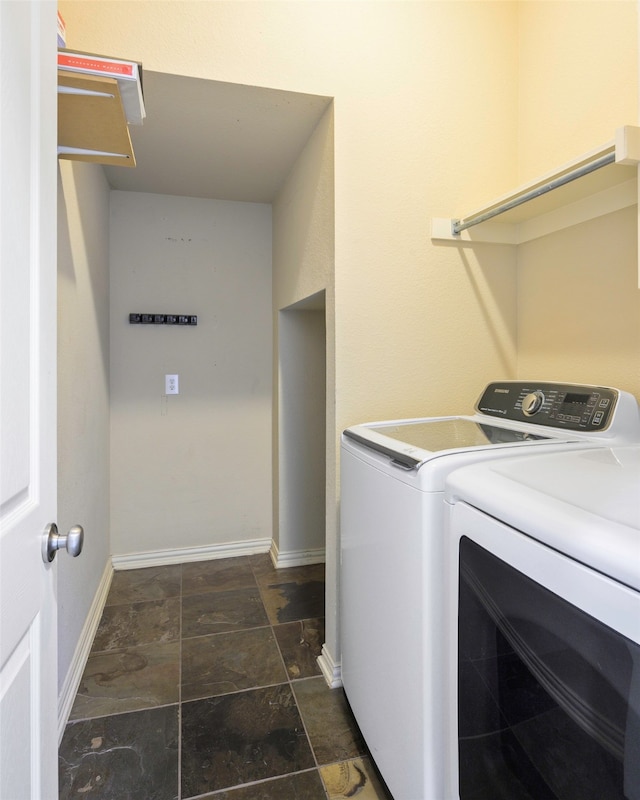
(290, 682)
(268, 625)
(290, 685)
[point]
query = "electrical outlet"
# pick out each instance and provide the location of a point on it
(171, 385)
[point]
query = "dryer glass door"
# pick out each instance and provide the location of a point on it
(548, 696)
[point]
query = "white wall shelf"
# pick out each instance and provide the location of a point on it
(597, 183)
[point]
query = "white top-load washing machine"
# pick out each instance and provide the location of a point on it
(543, 558)
(392, 564)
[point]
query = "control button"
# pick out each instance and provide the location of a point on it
(532, 403)
(597, 419)
(604, 402)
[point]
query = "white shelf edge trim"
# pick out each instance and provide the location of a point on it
(596, 205)
(83, 151)
(84, 92)
(624, 150)
(614, 199)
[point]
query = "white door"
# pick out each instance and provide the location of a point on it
(28, 175)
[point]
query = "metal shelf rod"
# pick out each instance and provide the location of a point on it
(459, 225)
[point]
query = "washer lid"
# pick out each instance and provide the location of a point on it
(584, 503)
(447, 434)
(412, 442)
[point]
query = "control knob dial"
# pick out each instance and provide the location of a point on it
(532, 403)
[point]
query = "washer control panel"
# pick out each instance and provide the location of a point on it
(575, 407)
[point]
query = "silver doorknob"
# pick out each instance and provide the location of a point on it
(52, 541)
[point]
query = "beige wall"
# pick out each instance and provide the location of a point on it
(303, 222)
(579, 311)
(83, 394)
(191, 470)
(578, 78)
(301, 530)
(304, 345)
(578, 301)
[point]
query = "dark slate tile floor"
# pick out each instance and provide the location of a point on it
(203, 683)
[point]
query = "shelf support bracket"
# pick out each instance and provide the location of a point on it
(628, 145)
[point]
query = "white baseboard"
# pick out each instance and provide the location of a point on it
(74, 675)
(330, 669)
(295, 558)
(160, 558)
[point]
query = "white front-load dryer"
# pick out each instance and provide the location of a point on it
(543, 570)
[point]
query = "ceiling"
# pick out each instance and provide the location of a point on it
(216, 140)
